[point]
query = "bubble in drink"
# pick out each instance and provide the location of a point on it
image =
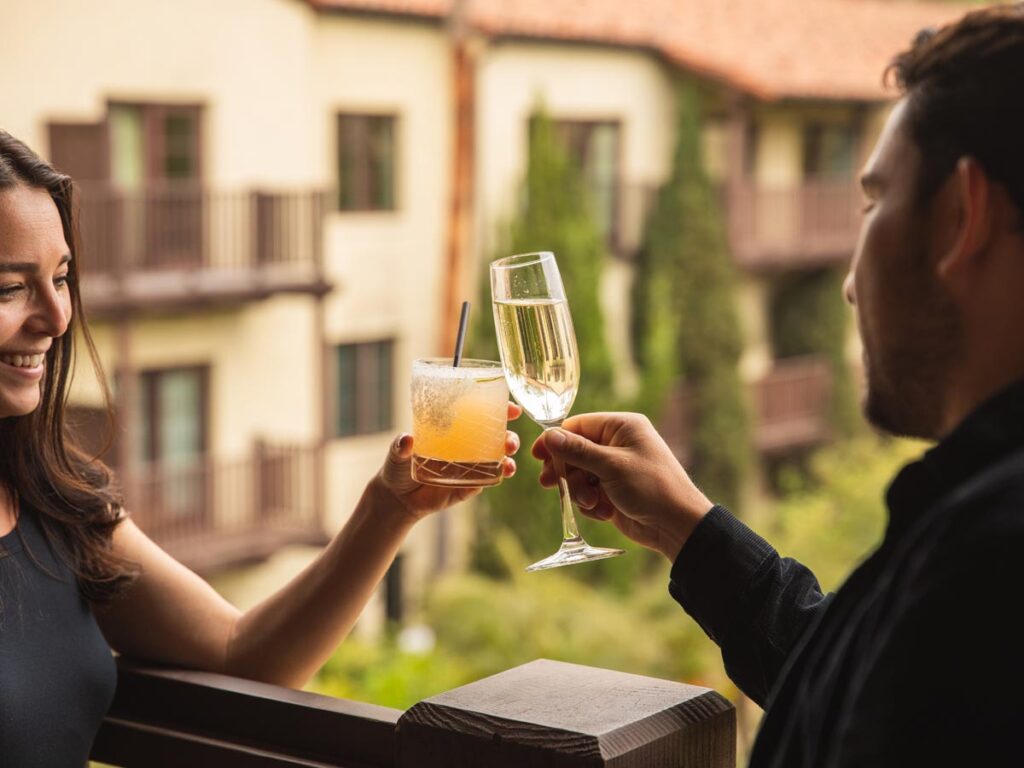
(538, 347)
(459, 422)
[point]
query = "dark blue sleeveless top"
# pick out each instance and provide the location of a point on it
(57, 675)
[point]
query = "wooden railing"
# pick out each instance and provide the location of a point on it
(792, 404)
(790, 408)
(813, 224)
(177, 242)
(212, 514)
(545, 713)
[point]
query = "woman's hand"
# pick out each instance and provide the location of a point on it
(419, 500)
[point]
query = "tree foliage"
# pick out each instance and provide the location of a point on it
(686, 278)
(484, 626)
(831, 517)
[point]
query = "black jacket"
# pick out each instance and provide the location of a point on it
(918, 659)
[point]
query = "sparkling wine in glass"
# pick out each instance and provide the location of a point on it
(538, 351)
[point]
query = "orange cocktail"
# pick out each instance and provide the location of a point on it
(459, 418)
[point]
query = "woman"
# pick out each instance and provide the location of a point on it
(77, 576)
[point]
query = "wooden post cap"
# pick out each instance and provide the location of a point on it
(550, 713)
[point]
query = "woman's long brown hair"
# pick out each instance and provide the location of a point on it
(72, 494)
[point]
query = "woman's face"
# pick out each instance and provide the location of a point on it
(35, 301)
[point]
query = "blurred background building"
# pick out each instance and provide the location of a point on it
(284, 202)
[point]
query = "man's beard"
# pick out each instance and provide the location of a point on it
(908, 376)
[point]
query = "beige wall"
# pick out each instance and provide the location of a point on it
(573, 82)
(64, 59)
(262, 364)
(388, 263)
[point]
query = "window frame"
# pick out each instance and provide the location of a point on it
(364, 398)
(363, 201)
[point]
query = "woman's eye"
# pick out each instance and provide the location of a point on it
(62, 281)
(7, 291)
(867, 206)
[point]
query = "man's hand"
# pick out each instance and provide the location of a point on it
(419, 500)
(619, 469)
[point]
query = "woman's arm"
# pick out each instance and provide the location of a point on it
(172, 616)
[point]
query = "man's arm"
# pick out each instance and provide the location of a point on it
(753, 603)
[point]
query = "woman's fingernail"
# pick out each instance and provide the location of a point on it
(555, 438)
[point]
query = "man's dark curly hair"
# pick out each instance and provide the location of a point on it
(964, 85)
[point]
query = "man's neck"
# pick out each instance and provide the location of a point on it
(971, 391)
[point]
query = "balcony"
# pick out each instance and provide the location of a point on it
(790, 407)
(180, 245)
(212, 514)
(792, 404)
(545, 713)
(811, 225)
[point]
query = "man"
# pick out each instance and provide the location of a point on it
(918, 659)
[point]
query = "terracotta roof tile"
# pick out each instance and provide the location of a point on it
(827, 49)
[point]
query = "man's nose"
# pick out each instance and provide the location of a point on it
(848, 293)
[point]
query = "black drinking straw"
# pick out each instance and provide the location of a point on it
(461, 338)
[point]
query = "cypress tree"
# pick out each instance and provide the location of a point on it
(555, 216)
(686, 248)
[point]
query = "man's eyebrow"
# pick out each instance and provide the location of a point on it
(29, 266)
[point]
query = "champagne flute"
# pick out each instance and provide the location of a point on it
(538, 352)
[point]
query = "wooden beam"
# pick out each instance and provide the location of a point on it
(556, 714)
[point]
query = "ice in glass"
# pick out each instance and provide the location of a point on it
(459, 418)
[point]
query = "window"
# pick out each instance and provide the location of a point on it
(364, 388)
(593, 147)
(156, 158)
(172, 442)
(172, 404)
(366, 162)
(829, 151)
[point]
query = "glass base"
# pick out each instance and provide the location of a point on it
(574, 551)
(460, 474)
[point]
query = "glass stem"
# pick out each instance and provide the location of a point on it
(570, 532)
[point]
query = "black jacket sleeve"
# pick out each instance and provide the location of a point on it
(753, 603)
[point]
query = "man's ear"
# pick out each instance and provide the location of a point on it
(967, 206)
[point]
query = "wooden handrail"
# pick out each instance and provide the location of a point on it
(164, 717)
(543, 713)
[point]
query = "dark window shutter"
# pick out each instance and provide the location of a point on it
(80, 150)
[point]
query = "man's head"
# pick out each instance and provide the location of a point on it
(942, 243)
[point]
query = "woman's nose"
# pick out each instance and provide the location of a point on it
(51, 311)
